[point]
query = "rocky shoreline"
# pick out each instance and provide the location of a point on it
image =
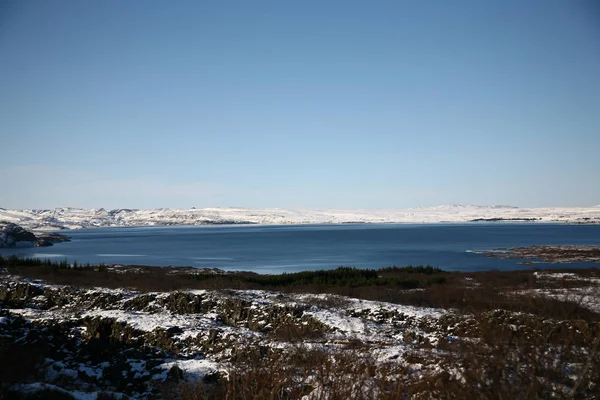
(551, 254)
(13, 235)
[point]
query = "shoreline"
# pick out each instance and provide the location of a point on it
(567, 254)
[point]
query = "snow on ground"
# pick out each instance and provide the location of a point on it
(194, 334)
(73, 218)
(33, 388)
(187, 326)
(194, 369)
(587, 296)
(381, 325)
(148, 321)
(369, 321)
(564, 275)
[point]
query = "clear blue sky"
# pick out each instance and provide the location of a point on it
(320, 104)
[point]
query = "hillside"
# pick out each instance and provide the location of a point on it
(75, 218)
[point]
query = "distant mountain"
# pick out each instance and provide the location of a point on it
(75, 218)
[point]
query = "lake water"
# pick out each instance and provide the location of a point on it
(275, 249)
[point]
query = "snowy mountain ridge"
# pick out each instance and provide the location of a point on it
(76, 218)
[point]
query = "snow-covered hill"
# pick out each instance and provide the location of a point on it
(74, 218)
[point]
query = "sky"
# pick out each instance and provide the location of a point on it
(299, 104)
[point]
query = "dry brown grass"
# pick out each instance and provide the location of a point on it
(511, 344)
(467, 292)
(322, 373)
(535, 361)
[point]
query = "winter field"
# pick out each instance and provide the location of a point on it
(133, 332)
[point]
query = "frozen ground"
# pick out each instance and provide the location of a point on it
(103, 342)
(586, 292)
(196, 331)
(73, 218)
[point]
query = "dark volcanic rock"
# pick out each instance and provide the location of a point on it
(185, 303)
(13, 235)
(17, 294)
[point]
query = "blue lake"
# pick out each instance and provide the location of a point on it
(290, 248)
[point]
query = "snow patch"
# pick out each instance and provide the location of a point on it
(194, 370)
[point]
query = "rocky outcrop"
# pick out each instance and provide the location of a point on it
(13, 235)
(267, 318)
(49, 239)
